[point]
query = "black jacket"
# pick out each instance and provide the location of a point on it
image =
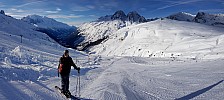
(67, 63)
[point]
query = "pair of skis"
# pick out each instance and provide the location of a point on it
(71, 97)
(77, 96)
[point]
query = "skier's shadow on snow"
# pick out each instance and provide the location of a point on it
(197, 93)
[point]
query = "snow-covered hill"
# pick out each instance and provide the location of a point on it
(105, 26)
(60, 32)
(165, 38)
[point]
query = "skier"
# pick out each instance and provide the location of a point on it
(64, 69)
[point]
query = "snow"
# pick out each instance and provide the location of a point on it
(135, 78)
(28, 70)
(165, 38)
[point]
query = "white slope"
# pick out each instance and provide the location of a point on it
(165, 38)
(25, 65)
(137, 78)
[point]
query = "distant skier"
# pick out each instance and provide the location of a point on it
(64, 69)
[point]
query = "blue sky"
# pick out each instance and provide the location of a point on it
(75, 12)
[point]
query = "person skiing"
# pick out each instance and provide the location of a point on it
(64, 69)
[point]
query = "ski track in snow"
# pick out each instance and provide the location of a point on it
(123, 80)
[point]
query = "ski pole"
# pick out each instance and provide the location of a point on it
(76, 91)
(79, 84)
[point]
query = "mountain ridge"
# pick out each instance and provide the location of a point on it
(132, 16)
(62, 33)
(200, 17)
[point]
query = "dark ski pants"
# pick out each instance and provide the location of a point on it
(65, 82)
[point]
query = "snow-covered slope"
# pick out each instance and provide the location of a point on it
(97, 30)
(210, 19)
(165, 38)
(182, 16)
(60, 32)
(27, 59)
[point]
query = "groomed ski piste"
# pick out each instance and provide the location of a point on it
(28, 69)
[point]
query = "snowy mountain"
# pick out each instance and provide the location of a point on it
(94, 31)
(132, 17)
(210, 19)
(20, 28)
(62, 33)
(119, 15)
(2, 12)
(97, 31)
(164, 38)
(45, 22)
(201, 17)
(182, 16)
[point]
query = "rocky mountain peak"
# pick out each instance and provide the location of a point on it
(2, 12)
(135, 17)
(119, 15)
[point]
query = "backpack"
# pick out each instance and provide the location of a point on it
(60, 68)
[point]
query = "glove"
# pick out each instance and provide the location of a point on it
(78, 68)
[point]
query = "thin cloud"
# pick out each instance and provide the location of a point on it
(17, 10)
(51, 12)
(18, 13)
(58, 9)
(83, 8)
(93, 16)
(29, 3)
(65, 16)
(90, 6)
(177, 3)
(143, 9)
